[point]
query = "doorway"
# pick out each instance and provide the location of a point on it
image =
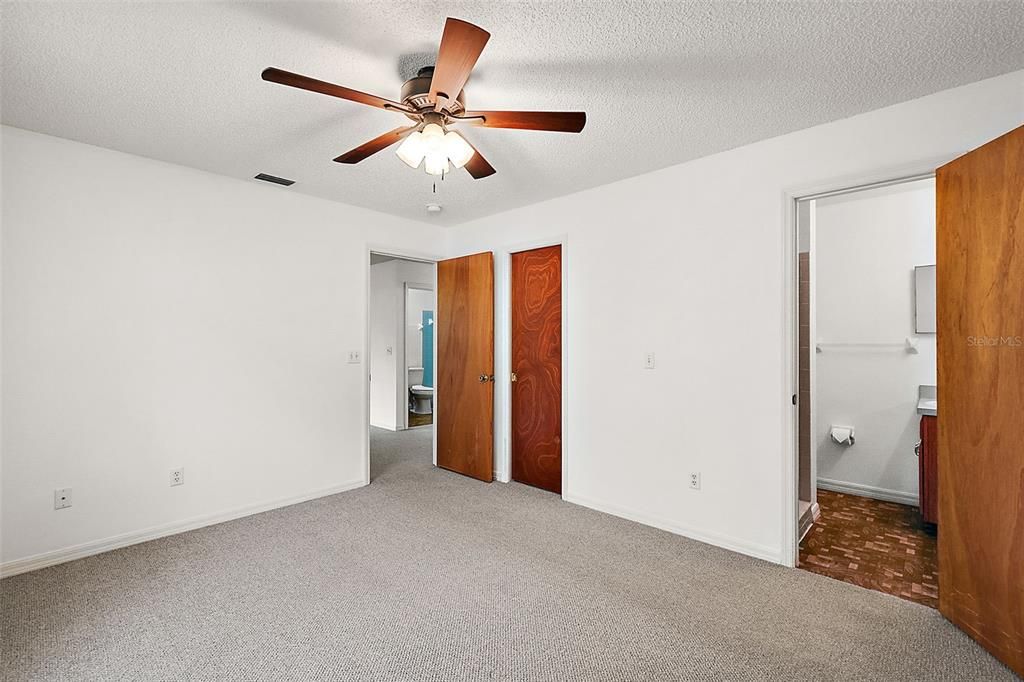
(418, 318)
(866, 363)
(400, 360)
(536, 367)
(429, 361)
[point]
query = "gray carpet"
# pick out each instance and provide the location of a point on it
(425, 574)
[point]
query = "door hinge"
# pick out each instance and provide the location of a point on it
(514, 377)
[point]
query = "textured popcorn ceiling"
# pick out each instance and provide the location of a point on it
(661, 83)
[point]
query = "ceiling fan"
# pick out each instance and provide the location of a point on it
(434, 99)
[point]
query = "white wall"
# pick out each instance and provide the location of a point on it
(156, 316)
(385, 310)
(689, 262)
(388, 396)
(866, 247)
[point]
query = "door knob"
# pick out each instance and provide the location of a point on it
(484, 378)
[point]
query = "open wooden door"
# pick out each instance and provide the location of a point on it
(464, 324)
(980, 307)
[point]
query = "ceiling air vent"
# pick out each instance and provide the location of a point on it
(274, 179)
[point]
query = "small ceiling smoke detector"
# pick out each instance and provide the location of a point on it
(274, 179)
(433, 208)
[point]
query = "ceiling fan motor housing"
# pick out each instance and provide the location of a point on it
(416, 94)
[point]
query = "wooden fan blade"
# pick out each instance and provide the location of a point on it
(557, 121)
(375, 145)
(478, 166)
(306, 83)
(461, 45)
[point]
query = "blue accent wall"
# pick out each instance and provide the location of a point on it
(428, 348)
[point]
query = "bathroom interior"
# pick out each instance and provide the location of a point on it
(867, 388)
(401, 350)
(419, 355)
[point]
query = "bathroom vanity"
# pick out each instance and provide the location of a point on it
(927, 454)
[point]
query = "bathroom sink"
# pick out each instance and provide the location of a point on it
(927, 401)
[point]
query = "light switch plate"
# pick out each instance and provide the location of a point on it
(62, 498)
(649, 360)
(354, 357)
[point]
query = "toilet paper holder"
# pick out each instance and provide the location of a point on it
(842, 435)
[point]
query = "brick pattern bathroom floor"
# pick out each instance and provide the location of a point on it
(882, 546)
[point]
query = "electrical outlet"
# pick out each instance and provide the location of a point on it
(695, 480)
(354, 357)
(648, 360)
(178, 477)
(62, 498)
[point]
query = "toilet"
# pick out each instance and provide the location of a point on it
(421, 398)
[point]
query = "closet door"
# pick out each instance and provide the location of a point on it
(464, 393)
(537, 368)
(980, 308)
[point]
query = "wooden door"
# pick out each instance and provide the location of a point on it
(537, 368)
(980, 307)
(464, 324)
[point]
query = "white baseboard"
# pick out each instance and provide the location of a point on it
(60, 556)
(386, 427)
(772, 554)
(871, 491)
(502, 478)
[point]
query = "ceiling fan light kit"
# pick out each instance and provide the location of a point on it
(434, 100)
(435, 148)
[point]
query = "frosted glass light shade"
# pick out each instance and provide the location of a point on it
(457, 149)
(412, 150)
(433, 147)
(433, 137)
(436, 163)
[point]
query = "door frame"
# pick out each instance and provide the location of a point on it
(403, 254)
(812, 362)
(503, 354)
(790, 413)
